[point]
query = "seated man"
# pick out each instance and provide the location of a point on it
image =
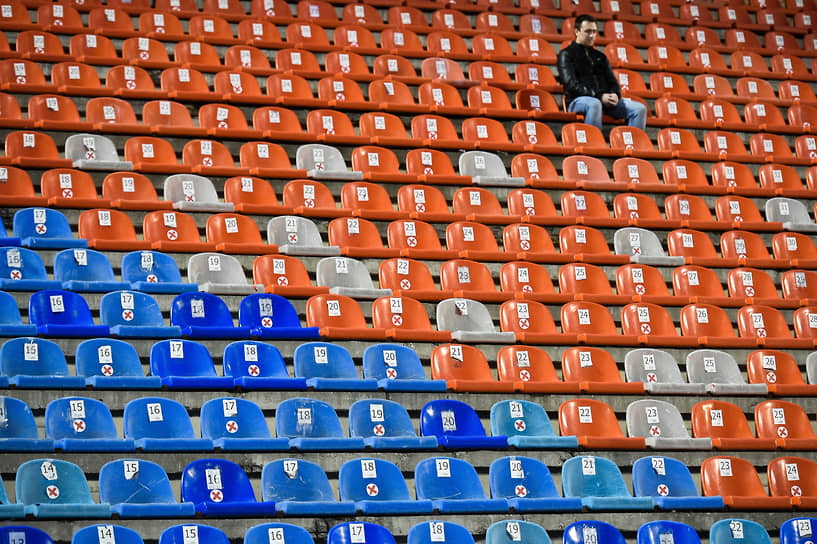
(590, 86)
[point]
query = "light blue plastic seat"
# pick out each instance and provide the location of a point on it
(377, 487)
(281, 532)
(457, 426)
(527, 485)
(301, 488)
(454, 487)
(86, 270)
(136, 488)
(161, 424)
(655, 532)
(78, 424)
(599, 484)
(204, 315)
(18, 429)
(329, 366)
(53, 488)
(107, 363)
(221, 488)
(184, 364)
(508, 531)
(23, 269)
(271, 316)
(738, 531)
(63, 313)
(11, 322)
(24, 533)
(312, 425)
(37, 363)
(44, 228)
(9, 510)
(257, 365)
(131, 314)
(386, 425)
(592, 532)
(238, 425)
(527, 426)
(193, 534)
(442, 532)
(154, 272)
(356, 531)
(103, 534)
(798, 530)
(670, 484)
(397, 368)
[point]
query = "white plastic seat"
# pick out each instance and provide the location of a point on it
(349, 277)
(469, 321)
(721, 374)
(189, 192)
(662, 426)
(643, 247)
(94, 152)
(219, 274)
(487, 169)
(659, 372)
(297, 236)
(792, 213)
(324, 162)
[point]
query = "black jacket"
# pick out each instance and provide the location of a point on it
(585, 71)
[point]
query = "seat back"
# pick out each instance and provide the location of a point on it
(518, 477)
(357, 475)
(324, 360)
(588, 417)
(343, 272)
(246, 358)
(293, 231)
(587, 318)
(32, 356)
(153, 417)
(82, 265)
(350, 531)
(463, 315)
(719, 419)
(193, 534)
(17, 263)
(735, 531)
(443, 417)
(78, 417)
(295, 480)
(51, 481)
(18, 420)
(459, 362)
(656, 476)
(130, 308)
(505, 532)
(655, 418)
(215, 481)
(96, 533)
(525, 363)
(90, 147)
(393, 362)
(200, 309)
(589, 364)
(320, 157)
(587, 532)
(447, 478)
(292, 534)
(303, 417)
(446, 532)
(107, 357)
(180, 358)
(215, 268)
(797, 530)
(150, 267)
(782, 419)
(637, 241)
(649, 365)
(229, 417)
(653, 532)
(588, 476)
(705, 320)
(379, 417)
(134, 481)
(41, 223)
(712, 366)
(481, 163)
(189, 188)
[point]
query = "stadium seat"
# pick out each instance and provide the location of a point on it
(385, 424)
(221, 488)
(376, 486)
(643, 246)
(42, 228)
(531, 370)
(643, 283)
(19, 434)
(192, 368)
(792, 213)
(297, 236)
(293, 534)
(587, 244)
(469, 321)
(784, 422)
(219, 273)
(587, 531)
(681, 533)
(348, 277)
(531, 322)
(131, 314)
(670, 484)
(595, 425)
(236, 234)
(661, 425)
(300, 487)
(94, 152)
(94, 533)
(368, 532)
(152, 154)
(796, 530)
(54, 488)
(324, 162)
(17, 189)
(405, 318)
(62, 313)
(778, 370)
(358, 237)
(193, 533)
(446, 532)
(409, 277)
(78, 424)
(726, 424)
(586, 282)
(397, 368)
(112, 364)
(284, 275)
(502, 532)
(527, 485)
(23, 270)
(527, 426)
(720, 371)
(329, 366)
(711, 325)
(271, 316)
(153, 272)
(592, 323)
(469, 279)
(339, 316)
(768, 327)
(190, 192)
(454, 487)
(599, 484)
(312, 425)
(595, 371)
(659, 372)
(486, 169)
(85, 270)
(69, 188)
(737, 481)
(109, 230)
(204, 315)
(456, 425)
(161, 424)
(753, 285)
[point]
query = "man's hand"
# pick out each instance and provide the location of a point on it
(609, 100)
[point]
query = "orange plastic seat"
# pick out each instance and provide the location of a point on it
(368, 200)
(263, 33)
(792, 478)
(185, 84)
(733, 176)
(683, 172)
(478, 204)
(173, 231)
(393, 95)
(652, 324)
(486, 133)
(342, 91)
(398, 67)
(806, 149)
(320, 11)
(16, 189)
(278, 123)
(292, 90)
(358, 237)
(23, 75)
(435, 131)
(583, 168)
(779, 371)
(109, 230)
(451, 19)
(465, 368)
(131, 81)
(401, 41)
(797, 92)
(634, 141)
(489, 73)
(473, 241)
(702, 36)
(247, 57)
(530, 369)
(529, 242)
(197, 55)
(277, 10)
(384, 129)
(721, 113)
(284, 275)
(726, 424)
(494, 46)
(587, 207)
(108, 114)
(93, 49)
(490, 101)
(405, 319)
(747, 247)
(596, 426)
(737, 481)
(711, 326)
(596, 372)
(33, 150)
(339, 316)
(678, 112)
(210, 158)
(442, 98)
(587, 244)
(354, 37)
(224, 121)
(795, 247)
(713, 85)
(469, 279)
(379, 164)
(76, 78)
(753, 284)
(445, 42)
(682, 144)
(132, 191)
(666, 58)
(234, 233)
(40, 46)
(705, 59)
(409, 277)
(638, 209)
(768, 326)
(332, 126)
(741, 211)
(660, 32)
(161, 25)
(264, 160)
(237, 86)
(253, 195)
(694, 245)
(112, 22)
(361, 14)
(749, 63)
(69, 188)
(149, 154)
(55, 112)
(781, 178)
(531, 322)
(423, 202)
(312, 199)
(691, 210)
(592, 323)
(16, 17)
(581, 138)
(799, 285)
(624, 55)
(529, 280)
(229, 9)
(537, 169)
(535, 136)
(300, 62)
(643, 283)
(586, 282)
(533, 203)
(699, 284)
(307, 36)
(771, 148)
(535, 75)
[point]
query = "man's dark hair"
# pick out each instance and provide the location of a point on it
(581, 19)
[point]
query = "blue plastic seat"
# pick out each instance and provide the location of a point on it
(798, 530)
(329, 366)
(160, 424)
(204, 315)
(44, 228)
(670, 484)
(599, 484)
(386, 425)
(301, 488)
(184, 364)
(442, 532)
(312, 425)
(377, 487)
(453, 486)
(82, 424)
(154, 272)
(23, 269)
(11, 322)
(592, 532)
(63, 313)
(107, 363)
(131, 314)
(221, 488)
(36, 363)
(53, 488)
(5, 239)
(86, 270)
(397, 368)
(271, 316)
(277, 532)
(527, 426)
(18, 429)
(9, 510)
(356, 531)
(136, 488)
(238, 425)
(457, 426)
(24, 533)
(527, 485)
(654, 532)
(738, 531)
(193, 534)
(508, 531)
(256, 365)
(104, 534)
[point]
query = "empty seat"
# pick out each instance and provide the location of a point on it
(78, 424)
(585, 531)
(221, 488)
(595, 424)
(194, 534)
(94, 533)
(300, 487)
(294, 534)
(726, 424)
(85, 270)
(447, 532)
(297, 236)
(661, 425)
(54, 488)
(94, 152)
(137, 488)
(527, 485)
(204, 315)
(44, 228)
(134, 314)
(339, 316)
(486, 169)
(456, 425)
(643, 246)
(324, 162)
(183, 364)
(348, 277)
(236, 234)
(329, 366)
(109, 230)
(731, 531)
(527, 426)
(62, 313)
(377, 486)
(720, 371)
(217, 273)
(108, 363)
(369, 532)
(24, 270)
(19, 434)
(659, 372)
(670, 484)
(312, 425)
(785, 422)
(397, 368)
(385, 424)
(600, 485)
(190, 192)
(592, 323)
(153, 272)
(469, 321)
(272, 316)
(454, 487)
(737, 481)
(161, 424)
(595, 371)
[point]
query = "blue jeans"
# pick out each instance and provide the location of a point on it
(635, 112)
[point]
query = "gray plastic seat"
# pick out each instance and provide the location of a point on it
(469, 321)
(792, 213)
(190, 192)
(297, 236)
(349, 277)
(643, 246)
(659, 372)
(324, 162)
(811, 367)
(721, 374)
(487, 169)
(94, 152)
(662, 426)
(219, 274)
